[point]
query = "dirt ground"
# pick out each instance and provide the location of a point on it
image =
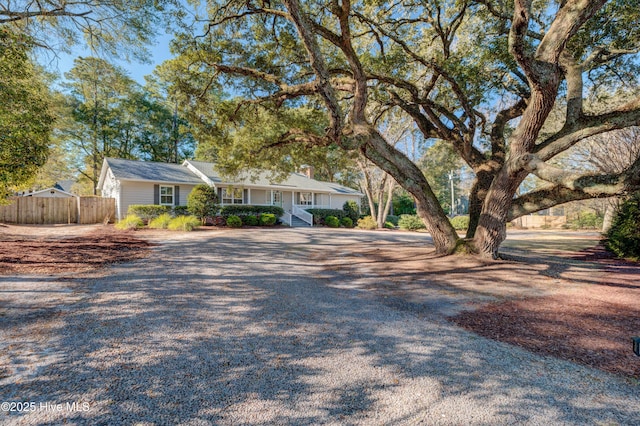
(575, 305)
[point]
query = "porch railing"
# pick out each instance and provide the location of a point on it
(303, 214)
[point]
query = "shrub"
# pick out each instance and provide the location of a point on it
(460, 223)
(250, 220)
(132, 221)
(346, 222)
(184, 223)
(180, 211)
(234, 221)
(332, 222)
(351, 210)
(267, 219)
(586, 220)
(623, 238)
(393, 219)
(410, 222)
(321, 215)
(147, 212)
(160, 222)
(202, 201)
(244, 210)
(389, 225)
(367, 222)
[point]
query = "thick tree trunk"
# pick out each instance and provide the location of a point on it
(407, 175)
(492, 226)
(477, 195)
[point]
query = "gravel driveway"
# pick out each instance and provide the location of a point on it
(239, 327)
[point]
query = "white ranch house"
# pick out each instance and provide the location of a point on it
(143, 182)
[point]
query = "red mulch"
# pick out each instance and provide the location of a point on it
(592, 326)
(63, 255)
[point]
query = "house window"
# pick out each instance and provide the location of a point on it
(166, 195)
(232, 196)
(276, 198)
(306, 199)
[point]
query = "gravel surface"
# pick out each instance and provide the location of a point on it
(240, 328)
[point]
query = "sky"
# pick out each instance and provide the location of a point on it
(160, 52)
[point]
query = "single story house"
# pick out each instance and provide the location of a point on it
(142, 182)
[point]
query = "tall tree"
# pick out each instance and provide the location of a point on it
(482, 75)
(26, 119)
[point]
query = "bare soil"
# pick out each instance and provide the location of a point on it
(576, 305)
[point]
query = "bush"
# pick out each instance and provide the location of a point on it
(180, 211)
(250, 220)
(184, 223)
(160, 222)
(244, 210)
(623, 238)
(351, 210)
(332, 222)
(132, 221)
(393, 219)
(586, 220)
(147, 212)
(234, 221)
(389, 225)
(203, 201)
(346, 222)
(410, 222)
(320, 215)
(367, 222)
(267, 219)
(460, 223)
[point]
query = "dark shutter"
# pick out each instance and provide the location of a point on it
(176, 196)
(245, 196)
(156, 194)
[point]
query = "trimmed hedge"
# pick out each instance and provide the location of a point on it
(244, 210)
(181, 211)
(148, 211)
(250, 220)
(346, 222)
(234, 221)
(320, 215)
(267, 219)
(332, 222)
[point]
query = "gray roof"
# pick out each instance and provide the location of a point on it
(176, 173)
(150, 171)
(263, 179)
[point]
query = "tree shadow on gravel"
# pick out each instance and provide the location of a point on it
(224, 330)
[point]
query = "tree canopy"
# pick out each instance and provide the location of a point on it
(26, 119)
(484, 76)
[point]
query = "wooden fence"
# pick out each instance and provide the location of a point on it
(533, 221)
(56, 210)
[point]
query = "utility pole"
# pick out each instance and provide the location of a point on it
(452, 194)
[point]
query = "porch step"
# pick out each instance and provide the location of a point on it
(296, 222)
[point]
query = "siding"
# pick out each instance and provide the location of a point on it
(260, 196)
(142, 193)
(338, 200)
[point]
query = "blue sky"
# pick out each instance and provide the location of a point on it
(135, 70)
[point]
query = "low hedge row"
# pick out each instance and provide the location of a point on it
(242, 210)
(320, 215)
